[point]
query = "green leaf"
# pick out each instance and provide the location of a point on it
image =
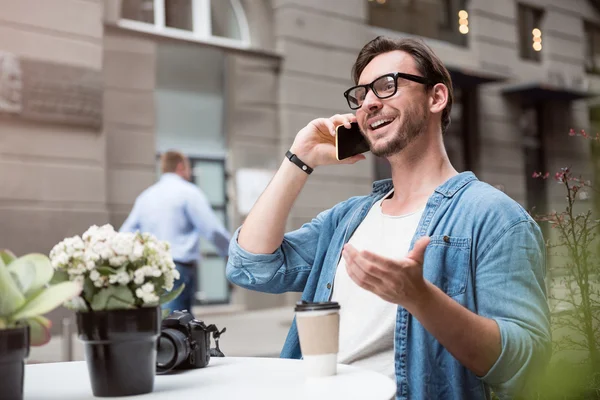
(165, 313)
(39, 330)
(113, 298)
(47, 300)
(20, 284)
(106, 270)
(11, 298)
(59, 276)
(89, 290)
(7, 256)
(172, 295)
(33, 271)
(76, 304)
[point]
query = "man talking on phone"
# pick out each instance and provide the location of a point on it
(440, 276)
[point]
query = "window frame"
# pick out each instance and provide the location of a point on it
(221, 208)
(201, 24)
(526, 51)
(591, 30)
(448, 29)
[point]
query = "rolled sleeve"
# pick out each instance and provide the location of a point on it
(286, 269)
(511, 291)
(243, 266)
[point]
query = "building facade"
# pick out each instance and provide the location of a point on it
(92, 91)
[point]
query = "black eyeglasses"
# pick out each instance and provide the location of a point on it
(383, 87)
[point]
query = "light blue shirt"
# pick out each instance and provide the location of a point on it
(177, 211)
(486, 253)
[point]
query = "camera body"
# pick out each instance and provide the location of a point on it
(184, 343)
(198, 338)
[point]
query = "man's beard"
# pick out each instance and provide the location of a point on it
(413, 126)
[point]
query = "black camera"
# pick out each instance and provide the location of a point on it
(184, 343)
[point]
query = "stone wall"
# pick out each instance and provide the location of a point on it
(129, 119)
(52, 148)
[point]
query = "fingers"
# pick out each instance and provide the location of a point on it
(418, 252)
(360, 267)
(332, 122)
(360, 281)
(343, 119)
(330, 125)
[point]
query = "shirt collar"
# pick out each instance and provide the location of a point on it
(447, 189)
(171, 176)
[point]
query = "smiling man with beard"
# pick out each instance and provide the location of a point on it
(440, 277)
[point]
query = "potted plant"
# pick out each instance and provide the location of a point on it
(125, 277)
(25, 295)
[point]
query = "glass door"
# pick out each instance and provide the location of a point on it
(209, 175)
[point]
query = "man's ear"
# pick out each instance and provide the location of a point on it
(439, 98)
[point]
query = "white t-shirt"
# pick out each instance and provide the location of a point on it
(367, 322)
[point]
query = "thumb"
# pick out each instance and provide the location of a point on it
(418, 252)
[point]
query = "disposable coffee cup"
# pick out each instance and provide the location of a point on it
(318, 330)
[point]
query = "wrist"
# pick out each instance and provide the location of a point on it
(301, 161)
(292, 171)
(303, 155)
(422, 300)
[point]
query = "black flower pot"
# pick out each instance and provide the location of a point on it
(14, 349)
(120, 349)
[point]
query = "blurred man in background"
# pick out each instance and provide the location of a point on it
(176, 210)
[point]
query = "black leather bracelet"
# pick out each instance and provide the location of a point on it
(293, 158)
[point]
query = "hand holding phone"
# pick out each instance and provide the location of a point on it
(315, 143)
(349, 142)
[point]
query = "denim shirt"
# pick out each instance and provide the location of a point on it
(486, 253)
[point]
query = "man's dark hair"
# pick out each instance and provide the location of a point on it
(428, 64)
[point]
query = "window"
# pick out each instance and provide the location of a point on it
(530, 32)
(531, 127)
(595, 146)
(220, 21)
(592, 48)
(449, 23)
(461, 137)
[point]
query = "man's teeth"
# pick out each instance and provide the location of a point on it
(380, 122)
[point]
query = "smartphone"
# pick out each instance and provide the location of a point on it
(349, 142)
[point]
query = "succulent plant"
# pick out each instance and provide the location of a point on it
(26, 293)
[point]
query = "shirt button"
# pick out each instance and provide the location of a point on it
(329, 286)
(447, 239)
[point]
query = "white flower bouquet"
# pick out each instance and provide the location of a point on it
(118, 270)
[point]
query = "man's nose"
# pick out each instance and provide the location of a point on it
(371, 102)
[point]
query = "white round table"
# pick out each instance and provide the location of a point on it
(225, 378)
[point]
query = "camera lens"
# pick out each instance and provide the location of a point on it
(173, 349)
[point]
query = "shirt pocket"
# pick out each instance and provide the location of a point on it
(447, 261)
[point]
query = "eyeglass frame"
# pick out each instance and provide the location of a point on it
(409, 77)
